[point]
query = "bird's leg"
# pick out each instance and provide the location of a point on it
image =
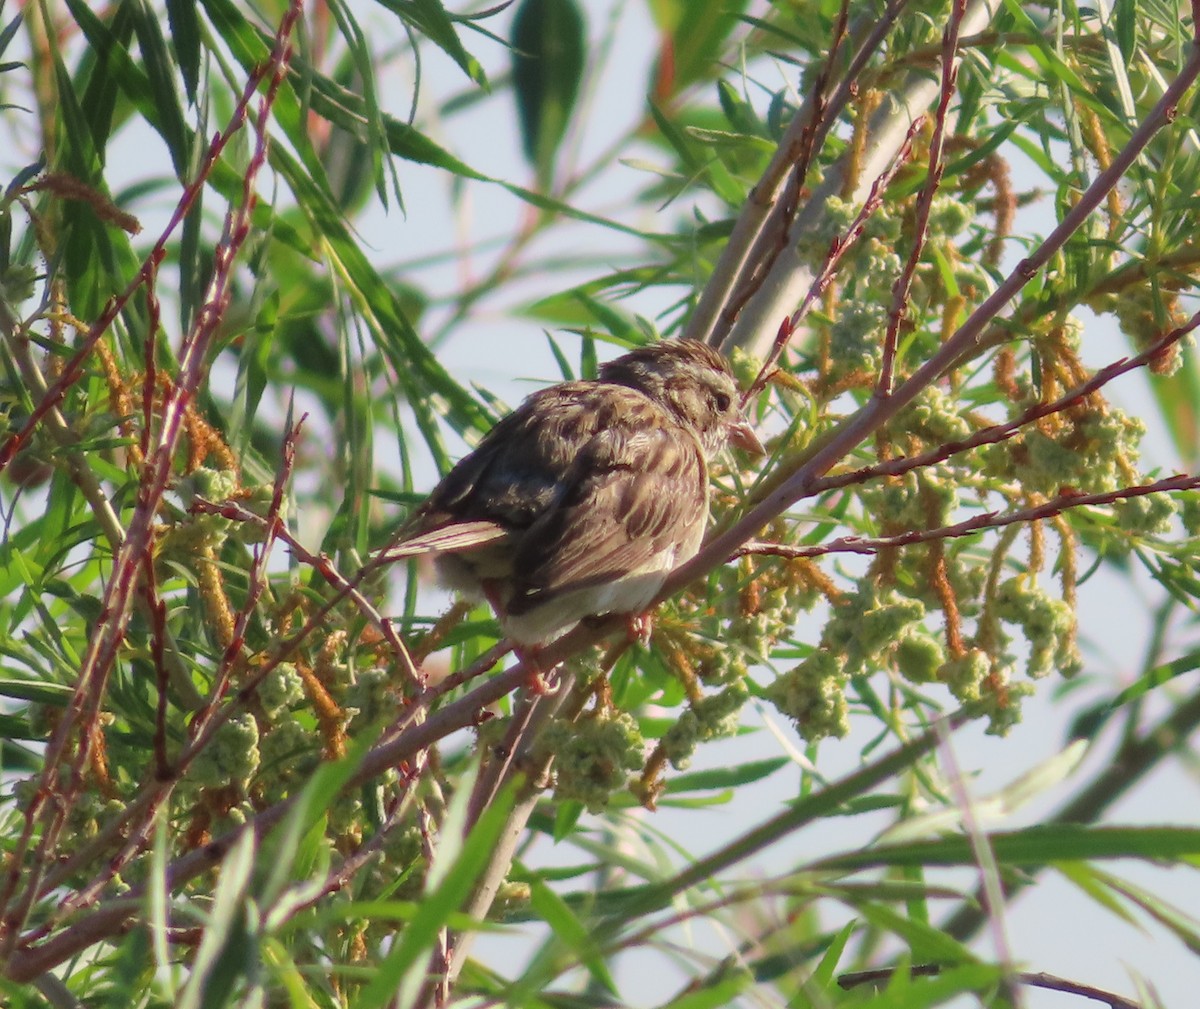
(527, 655)
(535, 679)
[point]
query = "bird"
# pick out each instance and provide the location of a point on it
(582, 501)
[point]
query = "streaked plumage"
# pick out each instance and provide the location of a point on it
(582, 500)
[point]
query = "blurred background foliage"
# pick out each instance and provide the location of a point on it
(223, 781)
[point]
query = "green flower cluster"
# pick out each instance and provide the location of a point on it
(964, 675)
(754, 616)
(855, 337)
(231, 757)
(812, 695)
(712, 717)
(754, 634)
(1087, 457)
(211, 485)
(1047, 623)
(280, 689)
(1143, 316)
(592, 757)
(289, 747)
(1189, 512)
(370, 698)
(919, 655)
(1149, 515)
(868, 625)
(933, 417)
(922, 500)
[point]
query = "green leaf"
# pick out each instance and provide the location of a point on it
(160, 69)
(430, 18)
(1125, 23)
(566, 930)
(548, 58)
(1032, 846)
(725, 777)
(360, 53)
(55, 694)
(926, 942)
(420, 375)
(1183, 925)
(822, 977)
(694, 33)
(730, 981)
(456, 879)
(1089, 722)
(905, 991)
(185, 38)
(225, 937)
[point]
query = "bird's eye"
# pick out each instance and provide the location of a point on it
(722, 401)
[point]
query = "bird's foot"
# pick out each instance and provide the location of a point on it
(639, 627)
(536, 681)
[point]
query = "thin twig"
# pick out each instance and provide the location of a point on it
(806, 132)
(797, 484)
(933, 179)
(997, 433)
(51, 800)
(879, 978)
(988, 520)
(838, 247)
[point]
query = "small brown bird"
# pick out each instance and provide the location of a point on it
(582, 500)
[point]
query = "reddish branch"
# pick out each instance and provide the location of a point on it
(996, 433)
(838, 247)
(988, 520)
(903, 284)
(52, 800)
(1051, 982)
(753, 245)
(791, 486)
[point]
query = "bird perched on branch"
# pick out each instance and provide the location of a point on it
(583, 499)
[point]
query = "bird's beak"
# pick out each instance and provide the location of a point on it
(742, 435)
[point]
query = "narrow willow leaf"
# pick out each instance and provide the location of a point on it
(998, 804)
(456, 873)
(1184, 926)
(568, 930)
(725, 777)
(1125, 24)
(693, 35)
(822, 977)
(421, 376)
(10, 30)
(1038, 845)
(1089, 722)
(1095, 884)
(548, 58)
(429, 17)
(185, 38)
(720, 991)
(938, 990)
(225, 929)
(54, 694)
(926, 942)
(361, 54)
(160, 69)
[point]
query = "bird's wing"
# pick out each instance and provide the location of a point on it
(511, 478)
(637, 490)
(457, 537)
(517, 471)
